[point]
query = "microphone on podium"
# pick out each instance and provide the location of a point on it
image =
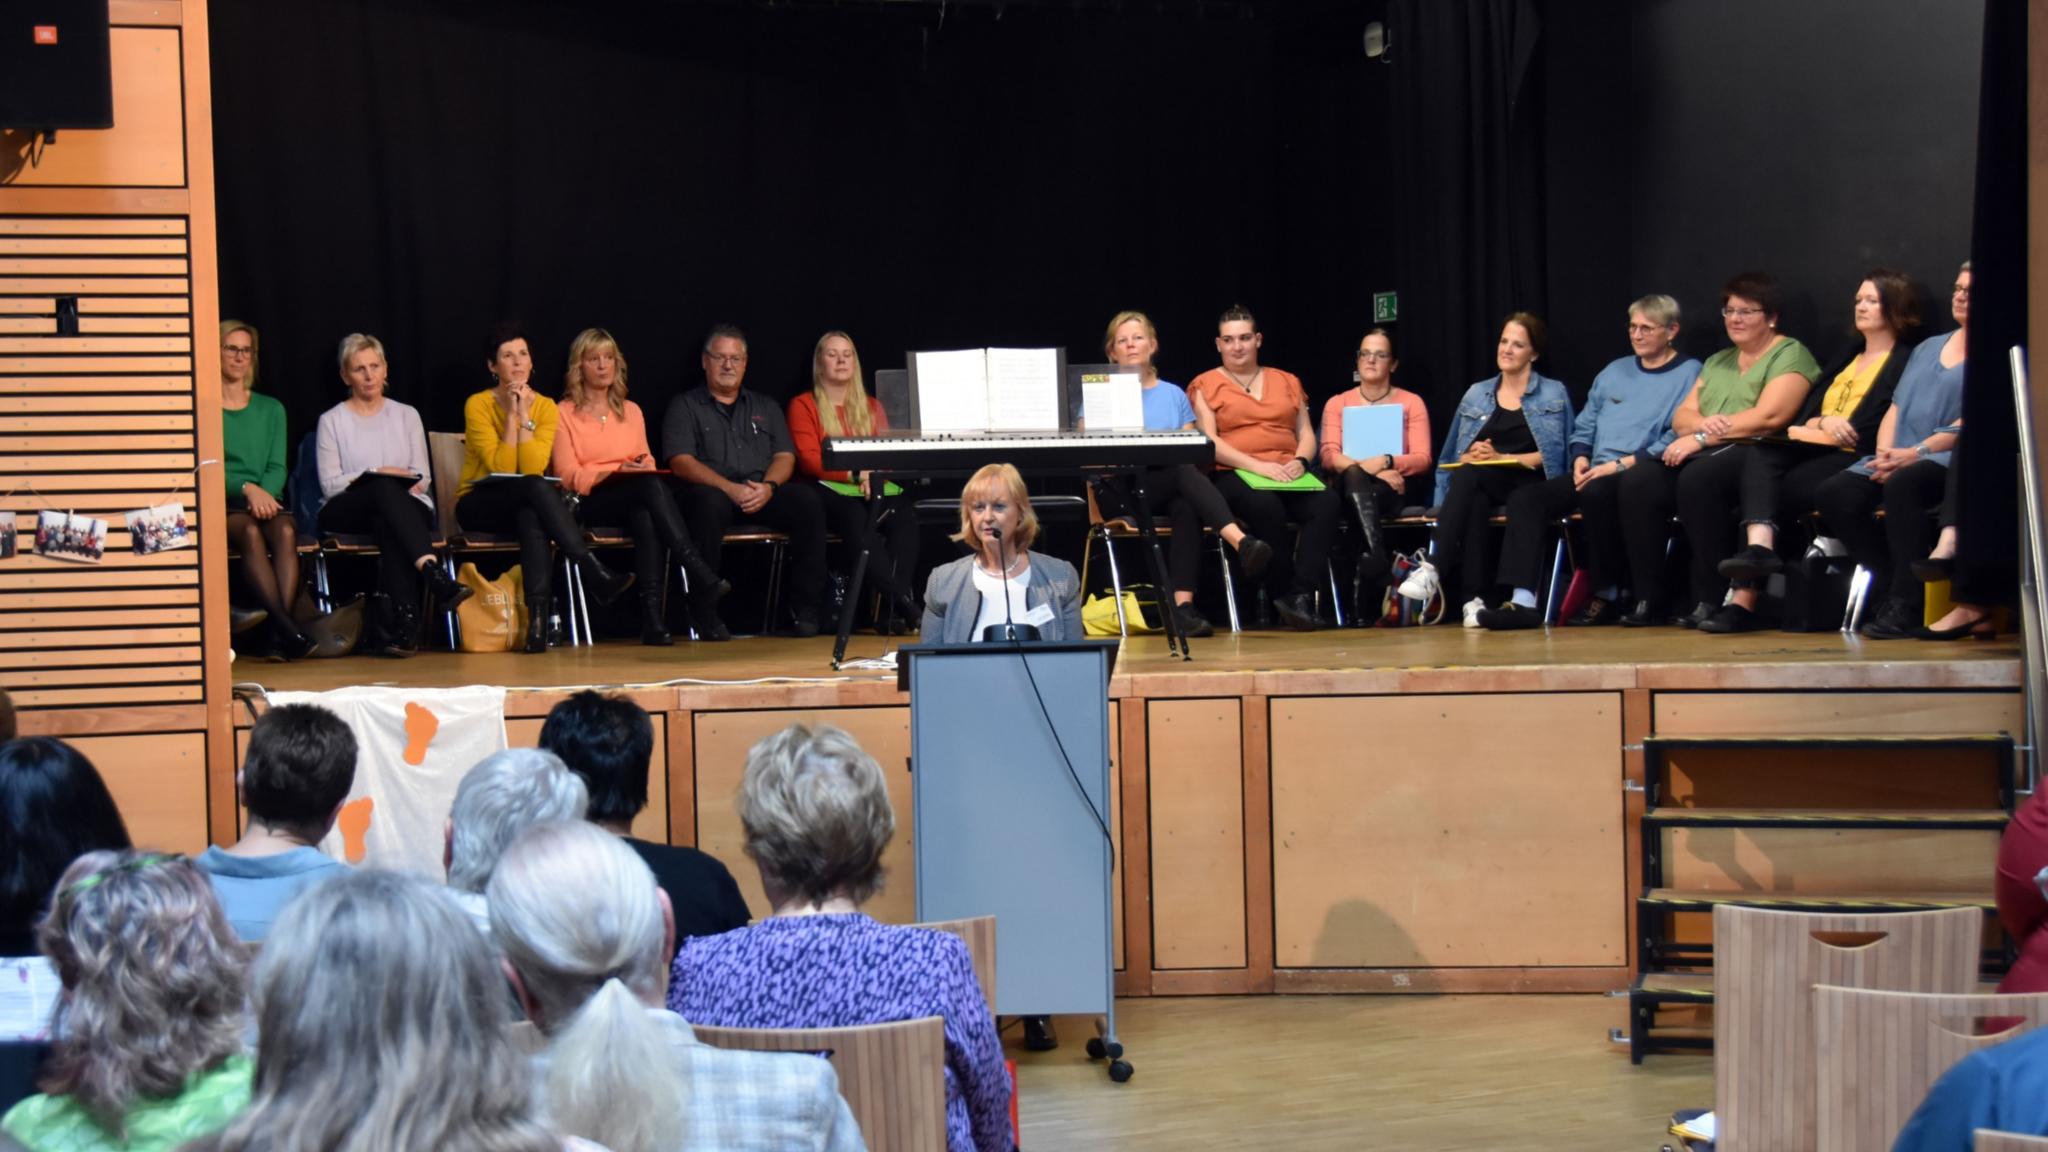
(1009, 630)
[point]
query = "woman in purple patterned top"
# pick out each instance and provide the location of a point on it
(817, 816)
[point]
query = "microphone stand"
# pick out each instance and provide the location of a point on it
(1009, 630)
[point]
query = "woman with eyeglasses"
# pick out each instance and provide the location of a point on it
(1907, 475)
(253, 464)
(1376, 485)
(1755, 387)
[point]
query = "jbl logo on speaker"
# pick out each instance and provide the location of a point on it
(46, 33)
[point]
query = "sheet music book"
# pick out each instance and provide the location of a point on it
(987, 389)
(1372, 430)
(1114, 401)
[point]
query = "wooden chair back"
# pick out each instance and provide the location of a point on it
(980, 934)
(892, 1075)
(1766, 963)
(445, 453)
(1876, 1053)
(1989, 1141)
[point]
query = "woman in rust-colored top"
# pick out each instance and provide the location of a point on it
(1259, 419)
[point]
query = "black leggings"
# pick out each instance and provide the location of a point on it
(892, 548)
(1780, 483)
(1265, 514)
(533, 510)
(403, 528)
(1462, 536)
(1848, 507)
(1533, 508)
(1191, 502)
(642, 505)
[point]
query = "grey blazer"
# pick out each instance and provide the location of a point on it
(952, 603)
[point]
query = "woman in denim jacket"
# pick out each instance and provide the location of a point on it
(1509, 431)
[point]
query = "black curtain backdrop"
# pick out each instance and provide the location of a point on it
(1987, 529)
(419, 169)
(1468, 160)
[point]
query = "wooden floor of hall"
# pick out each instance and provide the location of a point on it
(1409, 1073)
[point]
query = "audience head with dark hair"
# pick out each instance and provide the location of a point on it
(1759, 288)
(153, 983)
(608, 741)
(299, 769)
(53, 808)
(587, 936)
(381, 1019)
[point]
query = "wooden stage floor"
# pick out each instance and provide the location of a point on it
(1246, 663)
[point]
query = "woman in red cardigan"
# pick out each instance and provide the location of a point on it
(838, 404)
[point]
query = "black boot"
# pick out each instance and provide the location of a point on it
(1372, 557)
(653, 626)
(398, 627)
(539, 610)
(704, 580)
(605, 584)
(446, 591)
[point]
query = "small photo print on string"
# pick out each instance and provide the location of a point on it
(68, 536)
(7, 536)
(159, 528)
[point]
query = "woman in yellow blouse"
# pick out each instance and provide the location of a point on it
(509, 433)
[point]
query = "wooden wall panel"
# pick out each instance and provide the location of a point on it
(652, 823)
(722, 740)
(1197, 799)
(1380, 862)
(1837, 713)
(1874, 860)
(108, 419)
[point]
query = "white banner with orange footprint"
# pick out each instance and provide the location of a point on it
(414, 744)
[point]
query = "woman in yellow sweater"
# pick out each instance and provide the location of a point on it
(509, 434)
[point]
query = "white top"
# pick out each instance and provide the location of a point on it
(991, 589)
(350, 444)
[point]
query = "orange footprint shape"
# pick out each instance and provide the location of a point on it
(420, 726)
(355, 828)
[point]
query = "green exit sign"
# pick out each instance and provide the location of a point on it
(1386, 307)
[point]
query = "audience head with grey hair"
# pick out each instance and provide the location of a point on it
(153, 984)
(382, 1025)
(505, 794)
(816, 814)
(587, 935)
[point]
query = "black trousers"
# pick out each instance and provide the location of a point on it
(642, 505)
(1709, 486)
(794, 509)
(892, 550)
(1848, 507)
(1357, 482)
(1462, 538)
(1265, 514)
(533, 510)
(1645, 497)
(1780, 483)
(1534, 508)
(1191, 503)
(402, 527)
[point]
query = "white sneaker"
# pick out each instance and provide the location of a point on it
(1421, 584)
(1473, 608)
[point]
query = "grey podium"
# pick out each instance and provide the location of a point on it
(1009, 754)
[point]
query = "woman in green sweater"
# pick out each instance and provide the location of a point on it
(252, 442)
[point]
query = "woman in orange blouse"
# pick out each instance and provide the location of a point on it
(1258, 418)
(508, 431)
(601, 454)
(838, 404)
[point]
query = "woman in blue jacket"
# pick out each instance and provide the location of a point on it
(1509, 431)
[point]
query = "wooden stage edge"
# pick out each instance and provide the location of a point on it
(1419, 811)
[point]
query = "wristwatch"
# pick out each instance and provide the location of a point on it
(532, 427)
(1920, 450)
(1700, 437)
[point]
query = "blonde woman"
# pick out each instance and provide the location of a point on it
(838, 404)
(602, 455)
(966, 599)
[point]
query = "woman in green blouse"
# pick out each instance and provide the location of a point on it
(259, 526)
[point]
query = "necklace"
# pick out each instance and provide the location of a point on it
(1384, 393)
(1022, 561)
(1245, 384)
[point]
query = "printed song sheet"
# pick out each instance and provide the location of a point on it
(1024, 389)
(1115, 401)
(952, 391)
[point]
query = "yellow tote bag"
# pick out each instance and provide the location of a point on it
(494, 619)
(1098, 613)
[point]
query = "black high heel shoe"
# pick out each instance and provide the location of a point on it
(1982, 628)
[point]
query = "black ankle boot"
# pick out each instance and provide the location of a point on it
(653, 627)
(539, 611)
(605, 584)
(1372, 558)
(704, 580)
(398, 631)
(445, 590)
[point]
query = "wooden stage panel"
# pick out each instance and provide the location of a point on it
(652, 823)
(1870, 860)
(1198, 865)
(722, 742)
(1448, 831)
(1835, 713)
(158, 782)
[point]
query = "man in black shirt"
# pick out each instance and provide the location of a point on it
(609, 742)
(730, 447)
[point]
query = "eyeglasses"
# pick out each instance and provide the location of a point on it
(237, 350)
(1375, 354)
(1963, 291)
(728, 361)
(1743, 313)
(1644, 329)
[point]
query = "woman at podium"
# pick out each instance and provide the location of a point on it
(1003, 590)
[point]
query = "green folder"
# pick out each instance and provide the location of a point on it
(1306, 482)
(849, 488)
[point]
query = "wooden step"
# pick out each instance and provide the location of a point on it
(1676, 900)
(1674, 987)
(1985, 740)
(1980, 819)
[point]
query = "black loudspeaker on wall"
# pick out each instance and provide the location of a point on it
(55, 69)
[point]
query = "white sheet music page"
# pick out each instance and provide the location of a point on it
(1024, 389)
(1114, 401)
(952, 391)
